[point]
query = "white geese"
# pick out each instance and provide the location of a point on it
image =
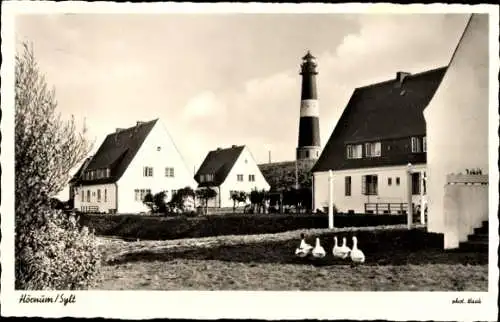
(344, 250)
(318, 251)
(336, 251)
(304, 248)
(357, 255)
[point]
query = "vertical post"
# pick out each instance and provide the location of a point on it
(409, 196)
(269, 156)
(422, 214)
(330, 199)
(312, 193)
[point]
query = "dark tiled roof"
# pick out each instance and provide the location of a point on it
(116, 153)
(219, 163)
(382, 111)
(80, 170)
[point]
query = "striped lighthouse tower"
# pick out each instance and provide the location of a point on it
(309, 140)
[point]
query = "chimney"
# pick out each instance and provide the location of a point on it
(118, 129)
(400, 76)
(233, 146)
(139, 123)
(218, 149)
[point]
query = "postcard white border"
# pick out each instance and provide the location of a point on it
(240, 304)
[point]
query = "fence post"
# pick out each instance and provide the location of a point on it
(409, 196)
(330, 199)
(422, 206)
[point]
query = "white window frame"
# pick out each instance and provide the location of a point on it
(354, 151)
(373, 149)
(147, 171)
(239, 177)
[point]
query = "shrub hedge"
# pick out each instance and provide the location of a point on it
(162, 228)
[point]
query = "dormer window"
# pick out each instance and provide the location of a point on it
(354, 151)
(372, 149)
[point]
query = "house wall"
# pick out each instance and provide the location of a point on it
(464, 206)
(457, 120)
(245, 165)
(104, 205)
(148, 155)
(356, 201)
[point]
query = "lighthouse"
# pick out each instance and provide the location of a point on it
(309, 140)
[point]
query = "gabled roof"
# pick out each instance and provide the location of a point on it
(218, 163)
(388, 110)
(116, 152)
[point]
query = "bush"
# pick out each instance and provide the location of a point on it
(51, 251)
(60, 255)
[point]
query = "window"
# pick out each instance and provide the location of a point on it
(307, 154)
(424, 144)
(141, 193)
(348, 186)
(105, 195)
(369, 185)
(169, 172)
(415, 183)
(158, 148)
(148, 171)
(239, 177)
(82, 198)
(98, 195)
(354, 151)
(398, 181)
(108, 173)
(416, 145)
(251, 177)
(372, 149)
(389, 181)
(88, 195)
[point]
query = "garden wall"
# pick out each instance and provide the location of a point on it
(162, 228)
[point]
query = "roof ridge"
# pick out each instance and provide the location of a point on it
(410, 76)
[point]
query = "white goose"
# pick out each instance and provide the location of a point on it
(357, 255)
(337, 251)
(304, 248)
(318, 251)
(344, 250)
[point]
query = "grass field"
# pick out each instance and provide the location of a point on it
(267, 262)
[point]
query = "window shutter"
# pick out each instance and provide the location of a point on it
(363, 185)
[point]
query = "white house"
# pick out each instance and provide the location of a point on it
(130, 163)
(381, 131)
(457, 128)
(229, 170)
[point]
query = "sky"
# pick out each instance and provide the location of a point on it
(215, 80)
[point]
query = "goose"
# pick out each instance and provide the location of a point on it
(344, 250)
(318, 251)
(357, 255)
(304, 248)
(337, 251)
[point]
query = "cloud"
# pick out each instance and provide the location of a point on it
(204, 104)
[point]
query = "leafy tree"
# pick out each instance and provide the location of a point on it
(51, 250)
(206, 194)
(238, 197)
(148, 200)
(56, 204)
(159, 201)
(180, 196)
